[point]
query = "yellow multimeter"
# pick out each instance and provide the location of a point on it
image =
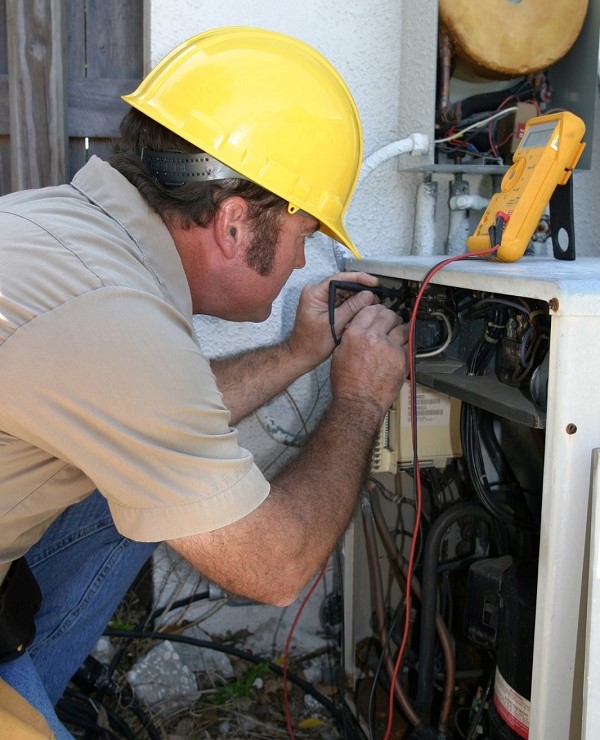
(548, 152)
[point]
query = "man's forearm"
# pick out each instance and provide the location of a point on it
(270, 554)
(319, 489)
(248, 381)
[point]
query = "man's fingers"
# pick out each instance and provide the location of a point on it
(350, 304)
(376, 317)
(400, 332)
(321, 290)
(364, 278)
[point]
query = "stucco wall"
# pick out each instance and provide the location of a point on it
(385, 50)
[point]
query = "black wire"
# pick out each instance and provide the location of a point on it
(413, 375)
(186, 601)
(479, 107)
(335, 712)
(405, 532)
(139, 632)
(103, 689)
(482, 704)
(92, 683)
(471, 437)
(508, 480)
(446, 601)
(379, 675)
(342, 676)
(79, 710)
(71, 715)
(481, 354)
(431, 477)
(477, 363)
(145, 720)
(474, 461)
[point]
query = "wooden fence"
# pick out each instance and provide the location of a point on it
(63, 66)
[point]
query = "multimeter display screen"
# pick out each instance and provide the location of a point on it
(537, 136)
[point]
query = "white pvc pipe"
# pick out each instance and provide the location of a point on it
(414, 144)
(467, 202)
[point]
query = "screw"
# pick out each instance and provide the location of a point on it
(571, 428)
(553, 304)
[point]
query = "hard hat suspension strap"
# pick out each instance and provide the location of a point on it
(173, 169)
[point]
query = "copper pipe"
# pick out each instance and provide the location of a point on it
(379, 601)
(444, 70)
(440, 626)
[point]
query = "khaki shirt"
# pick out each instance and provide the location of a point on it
(102, 380)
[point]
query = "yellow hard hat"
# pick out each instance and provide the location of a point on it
(268, 106)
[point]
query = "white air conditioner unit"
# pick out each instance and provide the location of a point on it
(561, 406)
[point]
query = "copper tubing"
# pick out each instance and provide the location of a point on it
(437, 530)
(445, 72)
(440, 626)
(379, 601)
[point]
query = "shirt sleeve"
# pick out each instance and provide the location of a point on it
(114, 383)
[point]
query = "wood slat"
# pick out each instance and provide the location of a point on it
(3, 52)
(95, 107)
(114, 38)
(4, 165)
(4, 112)
(36, 92)
(76, 41)
(96, 48)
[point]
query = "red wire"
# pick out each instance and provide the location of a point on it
(286, 705)
(417, 470)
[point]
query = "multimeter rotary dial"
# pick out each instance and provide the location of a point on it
(513, 175)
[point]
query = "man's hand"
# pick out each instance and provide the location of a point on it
(371, 362)
(310, 341)
(249, 380)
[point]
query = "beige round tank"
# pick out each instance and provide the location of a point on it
(500, 39)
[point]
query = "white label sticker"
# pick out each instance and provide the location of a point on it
(432, 408)
(511, 706)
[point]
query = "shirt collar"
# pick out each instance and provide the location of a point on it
(120, 200)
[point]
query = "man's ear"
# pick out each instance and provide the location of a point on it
(232, 225)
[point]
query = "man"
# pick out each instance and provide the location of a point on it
(238, 146)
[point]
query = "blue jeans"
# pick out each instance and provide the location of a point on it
(84, 568)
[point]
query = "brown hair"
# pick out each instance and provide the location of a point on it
(193, 203)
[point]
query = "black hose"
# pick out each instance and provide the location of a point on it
(522, 514)
(462, 510)
(470, 438)
(441, 629)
